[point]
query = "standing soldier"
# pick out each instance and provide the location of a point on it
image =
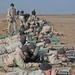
(33, 12)
(11, 18)
(22, 18)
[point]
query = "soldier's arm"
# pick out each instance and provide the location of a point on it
(53, 59)
(8, 15)
(15, 12)
(8, 12)
(20, 62)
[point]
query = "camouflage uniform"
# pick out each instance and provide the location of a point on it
(53, 59)
(21, 72)
(21, 17)
(14, 59)
(46, 29)
(43, 70)
(40, 44)
(11, 18)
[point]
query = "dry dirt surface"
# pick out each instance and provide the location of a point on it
(64, 24)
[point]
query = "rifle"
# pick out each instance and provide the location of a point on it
(41, 54)
(47, 36)
(63, 73)
(27, 42)
(71, 57)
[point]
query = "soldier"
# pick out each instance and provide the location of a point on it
(34, 12)
(72, 70)
(27, 26)
(35, 57)
(47, 69)
(40, 37)
(18, 12)
(31, 29)
(32, 48)
(11, 18)
(22, 29)
(17, 59)
(47, 29)
(23, 39)
(21, 17)
(32, 18)
(58, 57)
(44, 69)
(45, 44)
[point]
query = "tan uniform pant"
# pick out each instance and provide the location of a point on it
(11, 26)
(1, 62)
(22, 20)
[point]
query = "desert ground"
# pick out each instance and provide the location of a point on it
(64, 24)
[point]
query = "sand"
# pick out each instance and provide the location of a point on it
(64, 24)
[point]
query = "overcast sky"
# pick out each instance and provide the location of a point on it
(41, 6)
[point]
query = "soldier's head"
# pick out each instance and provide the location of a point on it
(27, 24)
(22, 11)
(31, 29)
(23, 39)
(61, 52)
(72, 70)
(46, 68)
(38, 24)
(26, 51)
(11, 5)
(40, 37)
(22, 28)
(47, 43)
(21, 32)
(32, 47)
(37, 32)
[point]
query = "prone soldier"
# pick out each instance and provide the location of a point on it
(59, 57)
(17, 59)
(44, 69)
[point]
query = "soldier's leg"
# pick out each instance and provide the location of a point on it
(14, 26)
(9, 27)
(22, 20)
(11, 73)
(20, 23)
(1, 62)
(2, 65)
(52, 28)
(24, 23)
